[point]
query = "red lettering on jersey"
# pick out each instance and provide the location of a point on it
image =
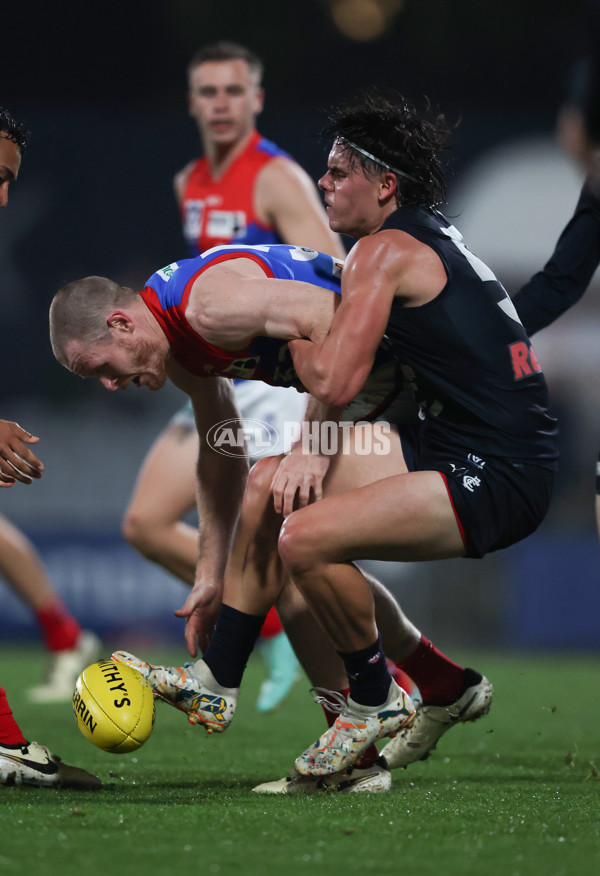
(534, 360)
(524, 360)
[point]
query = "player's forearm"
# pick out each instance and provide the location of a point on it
(221, 484)
(567, 274)
(332, 375)
(320, 412)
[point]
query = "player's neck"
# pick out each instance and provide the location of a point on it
(221, 156)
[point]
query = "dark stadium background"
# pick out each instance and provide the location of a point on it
(102, 87)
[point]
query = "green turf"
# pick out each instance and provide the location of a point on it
(518, 793)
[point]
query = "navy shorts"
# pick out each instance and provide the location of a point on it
(497, 502)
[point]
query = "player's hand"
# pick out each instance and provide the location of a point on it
(298, 480)
(200, 611)
(17, 462)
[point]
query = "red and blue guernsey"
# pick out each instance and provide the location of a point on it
(217, 212)
(268, 359)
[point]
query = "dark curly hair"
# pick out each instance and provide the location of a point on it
(389, 128)
(13, 130)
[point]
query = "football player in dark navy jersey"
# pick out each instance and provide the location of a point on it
(480, 467)
(486, 487)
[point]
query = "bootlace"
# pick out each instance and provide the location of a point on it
(334, 700)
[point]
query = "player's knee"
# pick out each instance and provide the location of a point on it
(258, 485)
(297, 548)
(139, 531)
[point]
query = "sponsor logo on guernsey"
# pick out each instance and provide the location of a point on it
(242, 368)
(226, 223)
(523, 359)
(167, 272)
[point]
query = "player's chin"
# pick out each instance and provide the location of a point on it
(153, 382)
(156, 383)
(334, 220)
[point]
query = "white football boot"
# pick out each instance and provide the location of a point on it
(431, 722)
(33, 764)
(355, 729)
(64, 669)
(190, 688)
(374, 779)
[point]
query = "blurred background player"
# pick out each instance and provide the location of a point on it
(579, 118)
(23, 762)
(70, 649)
(244, 189)
(579, 127)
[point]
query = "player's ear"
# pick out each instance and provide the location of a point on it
(388, 183)
(119, 321)
(259, 100)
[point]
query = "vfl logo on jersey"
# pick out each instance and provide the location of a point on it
(476, 460)
(523, 359)
(167, 273)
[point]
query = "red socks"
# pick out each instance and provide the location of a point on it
(59, 628)
(439, 679)
(403, 680)
(272, 625)
(10, 733)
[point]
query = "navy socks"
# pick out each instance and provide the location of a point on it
(231, 644)
(368, 674)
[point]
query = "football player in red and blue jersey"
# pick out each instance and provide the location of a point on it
(243, 189)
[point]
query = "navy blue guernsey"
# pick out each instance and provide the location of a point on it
(569, 270)
(479, 385)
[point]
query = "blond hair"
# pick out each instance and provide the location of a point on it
(79, 312)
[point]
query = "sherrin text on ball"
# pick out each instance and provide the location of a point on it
(114, 706)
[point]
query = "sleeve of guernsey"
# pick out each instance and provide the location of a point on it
(570, 269)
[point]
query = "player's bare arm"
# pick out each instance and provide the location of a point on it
(180, 179)
(379, 268)
(286, 197)
(231, 304)
(221, 483)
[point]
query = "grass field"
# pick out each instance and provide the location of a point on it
(517, 793)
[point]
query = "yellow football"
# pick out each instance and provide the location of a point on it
(114, 706)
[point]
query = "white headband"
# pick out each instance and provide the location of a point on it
(382, 163)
